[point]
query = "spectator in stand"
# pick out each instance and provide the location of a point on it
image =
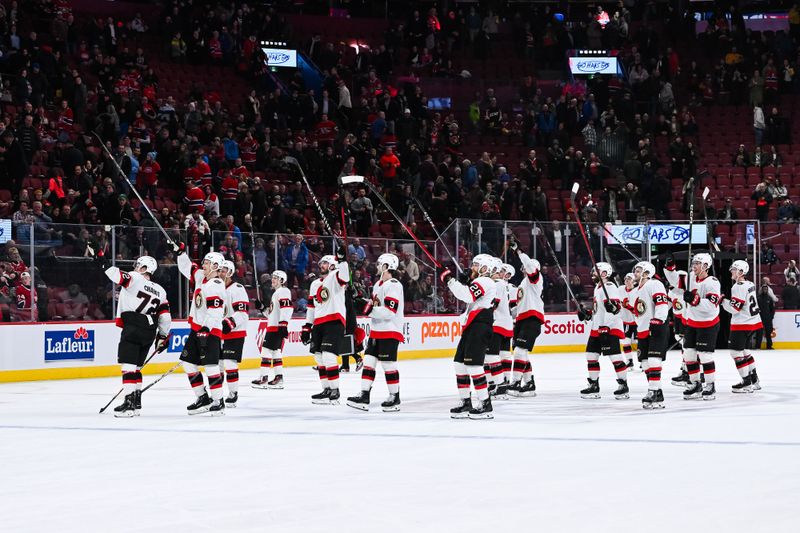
(791, 270)
(296, 260)
(389, 163)
(741, 158)
(763, 199)
(728, 212)
(777, 189)
(773, 159)
(356, 251)
(768, 256)
(788, 212)
(791, 294)
(361, 210)
(758, 124)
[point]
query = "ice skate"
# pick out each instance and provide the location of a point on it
(217, 408)
(501, 393)
(693, 391)
(513, 388)
(360, 402)
(322, 398)
(127, 409)
(709, 391)
(528, 390)
(653, 400)
(743, 387)
(200, 406)
(392, 403)
(333, 397)
(276, 383)
(230, 401)
(462, 409)
(622, 392)
(137, 402)
(592, 392)
(681, 380)
(260, 383)
(483, 412)
(756, 384)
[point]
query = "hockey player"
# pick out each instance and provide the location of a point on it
(606, 333)
(278, 314)
(204, 345)
(628, 320)
(528, 324)
(476, 333)
(502, 331)
(702, 328)
(234, 330)
(651, 309)
(745, 321)
(143, 315)
(325, 322)
(676, 280)
(506, 357)
(386, 334)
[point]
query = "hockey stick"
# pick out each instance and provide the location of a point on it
(427, 217)
(360, 179)
(132, 188)
(291, 160)
(572, 195)
(165, 374)
(255, 270)
(691, 230)
(713, 246)
(120, 390)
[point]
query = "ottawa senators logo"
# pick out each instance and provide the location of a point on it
(594, 306)
(639, 308)
(677, 305)
(198, 299)
(520, 294)
(322, 294)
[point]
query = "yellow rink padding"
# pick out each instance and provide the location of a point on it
(105, 371)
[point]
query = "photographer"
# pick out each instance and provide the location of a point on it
(766, 303)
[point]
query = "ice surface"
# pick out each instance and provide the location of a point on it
(278, 463)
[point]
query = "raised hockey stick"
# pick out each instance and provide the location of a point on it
(360, 179)
(691, 230)
(572, 195)
(427, 217)
(255, 270)
(162, 376)
(102, 409)
(561, 271)
(132, 188)
(292, 161)
(713, 246)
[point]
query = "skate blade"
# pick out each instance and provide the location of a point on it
(528, 394)
(459, 416)
(746, 390)
(392, 409)
(709, 398)
(622, 396)
(756, 387)
(200, 411)
(481, 416)
(359, 406)
(220, 412)
(590, 396)
(137, 412)
(653, 406)
(501, 397)
(692, 397)
(679, 383)
(230, 406)
(124, 414)
(276, 387)
(321, 402)
(259, 386)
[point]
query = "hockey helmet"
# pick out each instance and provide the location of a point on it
(604, 267)
(536, 265)
(228, 266)
(509, 270)
(740, 265)
(330, 259)
(496, 265)
(483, 260)
(147, 262)
(389, 260)
(630, 275)
(647, 267)
(704, 259)
(215, 259)
(281, 275)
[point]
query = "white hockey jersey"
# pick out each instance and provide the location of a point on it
(602, 318)
(139, 295)
(706, 313)
(628, 299)
(743, 307)
(677, 280)
(207, 308)
(388, 315)
(529, 293)
(503, 323)
(280, 309)
(237, 306)
(513, 294)
(651, 301)
(326, 297)
(478, 295)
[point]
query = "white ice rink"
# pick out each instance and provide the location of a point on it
(553, 463)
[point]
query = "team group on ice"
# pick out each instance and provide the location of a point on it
(499, 329)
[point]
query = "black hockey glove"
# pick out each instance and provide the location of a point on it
(691, 298)
(611, 306)
(513, 245)
(162, 342)
(341, 251)
(283, 331)
(584, 315)
(101, 260)
(445, 275)
(669, 262)
(178, 247)
(202, 337)
(227, 325)
(305, 334)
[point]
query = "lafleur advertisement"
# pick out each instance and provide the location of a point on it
(68, 345)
